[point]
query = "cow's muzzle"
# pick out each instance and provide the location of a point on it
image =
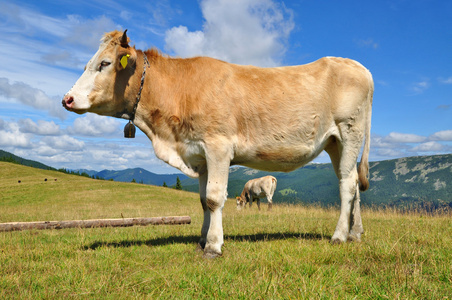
(68, 102)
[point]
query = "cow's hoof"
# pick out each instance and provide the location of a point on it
(354, 237)
(335, 242)
(199, 248)
(209, 254)
(201, 245)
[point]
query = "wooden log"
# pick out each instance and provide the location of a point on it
(125, 222)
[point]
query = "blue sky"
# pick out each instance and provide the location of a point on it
(407, 45)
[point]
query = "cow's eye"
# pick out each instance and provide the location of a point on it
(103, 64)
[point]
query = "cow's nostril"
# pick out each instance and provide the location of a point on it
(67, 101)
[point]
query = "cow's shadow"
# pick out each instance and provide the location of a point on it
(193, 239)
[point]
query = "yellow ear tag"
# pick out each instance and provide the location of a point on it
(124, 60)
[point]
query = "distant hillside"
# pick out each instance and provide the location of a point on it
(422, 182)
(412, 182)
(7, 156)
(141, 176)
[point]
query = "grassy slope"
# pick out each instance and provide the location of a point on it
(280, 254)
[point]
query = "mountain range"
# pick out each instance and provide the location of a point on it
(422, 182)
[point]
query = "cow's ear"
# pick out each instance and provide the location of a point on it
(124, 40)
(124, 60)
(127, 58)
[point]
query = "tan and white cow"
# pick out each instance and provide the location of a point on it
(255, 189)
(204, 115)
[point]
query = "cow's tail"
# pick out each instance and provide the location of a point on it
(273, 185)
(363, 168)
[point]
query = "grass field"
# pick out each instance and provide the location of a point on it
(282, 254)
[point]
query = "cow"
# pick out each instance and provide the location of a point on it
(255, 189)
(203, 115)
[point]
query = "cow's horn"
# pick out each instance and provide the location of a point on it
(124, 40)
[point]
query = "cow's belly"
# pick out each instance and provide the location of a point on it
(278, 157)
(276, 163)
(259, 194)
(272, 166)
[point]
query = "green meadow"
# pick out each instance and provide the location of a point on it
(282, 254)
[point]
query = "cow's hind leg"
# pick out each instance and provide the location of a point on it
(270, 202)
(343, 156)
(206, 222)
(356, 222)
(269, 195)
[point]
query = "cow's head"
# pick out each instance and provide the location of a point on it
(240, 202)
(105, 86)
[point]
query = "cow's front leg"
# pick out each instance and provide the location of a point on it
(216, 194)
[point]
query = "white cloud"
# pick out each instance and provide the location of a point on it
(109, 156)
(12, 139)
(3, 124)
(61, 57)
(381, 142)
(63, 142)
(39, 128)
(367, 43)
(46, 151)
(10, 136)
(428, 147)
(88, 32)
(126, 15)
(239, 31)
(94, 125)
(138, 154)
(34, 43)
(23, 20)
(420, 87)
(395, 137)
(389, 153)
(403, 144)
(185, 43)
(444, 135)
(31, 96)
(446, 80)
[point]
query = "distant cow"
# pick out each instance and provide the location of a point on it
(255, 189)
(204, 115)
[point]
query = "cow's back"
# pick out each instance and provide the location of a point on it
(260, 187)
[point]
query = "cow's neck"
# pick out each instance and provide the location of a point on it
(129, 129)
(158, 115)
(138, 97)
(158, 109)
(134, 96)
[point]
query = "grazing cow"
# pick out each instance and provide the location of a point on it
(255, 189)
(204, 115)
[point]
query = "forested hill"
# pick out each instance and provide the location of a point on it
(9, 157)
(138, 175)
(422, 182)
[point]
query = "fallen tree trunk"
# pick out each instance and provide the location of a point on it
(95, 223)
